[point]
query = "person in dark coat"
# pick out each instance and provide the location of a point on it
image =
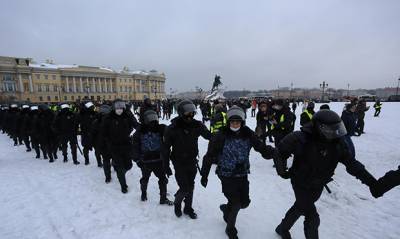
(307, 114)
(317, 150)
(66, 128)
(47, 138)
(116, 130)
(86, 117)
(262, 118)
(11, 121)
(23, 123)
(147, 105)
(182, 136)
(99, 141)
(360, 110)
(230, 150)
(33, 129)
(147, 143)
(377, 107)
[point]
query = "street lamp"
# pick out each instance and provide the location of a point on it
(291, 89)
(398, 83)
(323, 86)
(348, 89)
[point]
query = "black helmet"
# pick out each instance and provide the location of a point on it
(186, 106)
(150, 116)
(235, 113)
(328, 124)
(310, 105)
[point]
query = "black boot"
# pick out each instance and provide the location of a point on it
(108, 180)
(163, 193)
(285, 234)
(55, 155)
(188, 210)
(143, 188)
(86, 156)
(178, 203)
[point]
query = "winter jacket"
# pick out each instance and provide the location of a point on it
(147, 144)
(66, 124)
(230, 151)
(350, 122)
(86, 118)
(315, 160)
(99, 141)
(183, 138)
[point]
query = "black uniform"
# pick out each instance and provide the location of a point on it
(183, 137)
(315, 160)
(116, 130)
(390, 180)
(66, 128)
(100, 145)
(86, 118)
(46, 135)
(147, 143)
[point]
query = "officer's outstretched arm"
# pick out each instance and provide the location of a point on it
(204, 132)
(390, 180)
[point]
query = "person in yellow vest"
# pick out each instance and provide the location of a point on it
(307, 114)
(377, 107)
(219, 119)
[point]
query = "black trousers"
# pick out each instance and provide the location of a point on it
(185, 176)
(360, 126)
(377, 112)
(158, 170)
(64, 140)
(304, 206)
(122, 164)
(236, 191)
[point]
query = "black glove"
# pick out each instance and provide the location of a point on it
(285, 174)
(204, 181)
(376, 190)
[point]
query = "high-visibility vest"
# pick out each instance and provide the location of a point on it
(219, 124)
(281, 120)
(308, 114)
(377, 106)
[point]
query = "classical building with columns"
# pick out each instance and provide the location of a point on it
(23, 80)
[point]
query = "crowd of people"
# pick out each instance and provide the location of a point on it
(122, 133)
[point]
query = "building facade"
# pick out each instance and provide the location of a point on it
(23, 80)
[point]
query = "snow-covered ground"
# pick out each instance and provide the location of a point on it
(42, 200)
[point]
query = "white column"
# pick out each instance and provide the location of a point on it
(30, 83)
(94, 85)
(67, 84)
(73, 84)
(81, 84)
(21, 86)
(99, 83)
(111, 85)
(87, 83)
(105, 85)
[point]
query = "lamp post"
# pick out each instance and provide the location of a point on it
(291, 90)
(323, 86)
(398, 83)
(348, 90)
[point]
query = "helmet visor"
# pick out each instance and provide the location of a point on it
(333, 131)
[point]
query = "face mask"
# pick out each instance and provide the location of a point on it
(234, 129)
(119, 111)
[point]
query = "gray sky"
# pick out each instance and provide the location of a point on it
(251, 44)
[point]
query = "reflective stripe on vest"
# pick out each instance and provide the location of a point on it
(219, 124)
(308, 114)
(281, 120)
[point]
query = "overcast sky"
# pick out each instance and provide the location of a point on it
(251, 44)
